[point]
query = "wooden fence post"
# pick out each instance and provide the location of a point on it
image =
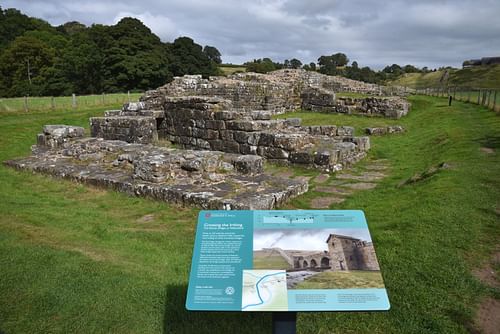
(479, 97)
(26, 104)
(73, 100)
(52, 103)
(495, 101)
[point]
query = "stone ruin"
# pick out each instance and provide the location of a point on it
(223, 130)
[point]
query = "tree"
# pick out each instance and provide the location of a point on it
(187, 57)
(23, 67)
(14, 24)
(340, 59)
(327, 65)
(213, 54)
(295, 63)
(261, 65)
(82, 65)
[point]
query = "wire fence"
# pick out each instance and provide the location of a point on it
(489, 98)
(74, 102)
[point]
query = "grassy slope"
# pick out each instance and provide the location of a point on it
(274, 261)
(78, 259)
(343, 280)
(474, 77)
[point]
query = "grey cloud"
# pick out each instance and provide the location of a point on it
(424, 33)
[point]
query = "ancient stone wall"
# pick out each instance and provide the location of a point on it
(207, 179)
(326, 101)
(133, 129)
(276, 91)
(204, 123)
(197, 124)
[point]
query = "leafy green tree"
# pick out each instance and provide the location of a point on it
(187, 57)
(134, 57)
(213, 54)
(14, 24)
(261, 65)
(24, 67)
(82, 65)
(72, 28)
(295, 63)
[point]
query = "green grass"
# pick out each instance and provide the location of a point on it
(358, 121)
(473, 77)
(269, 261)
(354, 279)
(228, 70)
(75, 259)
(64, 102)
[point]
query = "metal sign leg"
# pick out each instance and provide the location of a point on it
(284, 322)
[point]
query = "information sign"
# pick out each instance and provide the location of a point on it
(284, 260)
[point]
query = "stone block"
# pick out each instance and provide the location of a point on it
(272, 152)
(301, 158)
(266, 139)
(249, 164)
(292, 122)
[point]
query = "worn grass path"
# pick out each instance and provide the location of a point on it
(75, 259)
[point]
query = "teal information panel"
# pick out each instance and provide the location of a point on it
(286, 260)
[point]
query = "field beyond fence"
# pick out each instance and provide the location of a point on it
(489, 98)
(43, 103)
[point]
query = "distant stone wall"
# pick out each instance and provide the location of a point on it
(276, 91)
(325, 101)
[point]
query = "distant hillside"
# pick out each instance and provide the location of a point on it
(473, 77)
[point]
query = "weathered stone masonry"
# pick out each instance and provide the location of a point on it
(210, 180)
(225, 128)
(202, 123)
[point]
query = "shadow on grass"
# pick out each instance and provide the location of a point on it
(489, 141)
(177, 319)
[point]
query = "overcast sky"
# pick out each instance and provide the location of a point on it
(429, 33)
(297, 239)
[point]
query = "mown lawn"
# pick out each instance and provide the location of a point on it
(75, 259)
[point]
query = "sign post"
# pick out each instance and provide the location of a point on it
(285, 261)
(284, 322)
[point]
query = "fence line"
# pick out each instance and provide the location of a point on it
(73, 102)
(487, 97)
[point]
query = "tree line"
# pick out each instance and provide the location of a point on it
(38, 59)
(337, 64)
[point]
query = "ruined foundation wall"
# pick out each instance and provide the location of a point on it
(194, 124)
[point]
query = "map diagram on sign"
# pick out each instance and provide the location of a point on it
(264, 290)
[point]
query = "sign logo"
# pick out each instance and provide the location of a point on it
(229, 290)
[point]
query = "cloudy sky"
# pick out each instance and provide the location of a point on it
(310, 239)
(429, 33)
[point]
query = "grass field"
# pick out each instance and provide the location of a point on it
(227, 70)
(264, 260)
(473, 77)
(65, 102)
(354, 279)
(75, 259)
